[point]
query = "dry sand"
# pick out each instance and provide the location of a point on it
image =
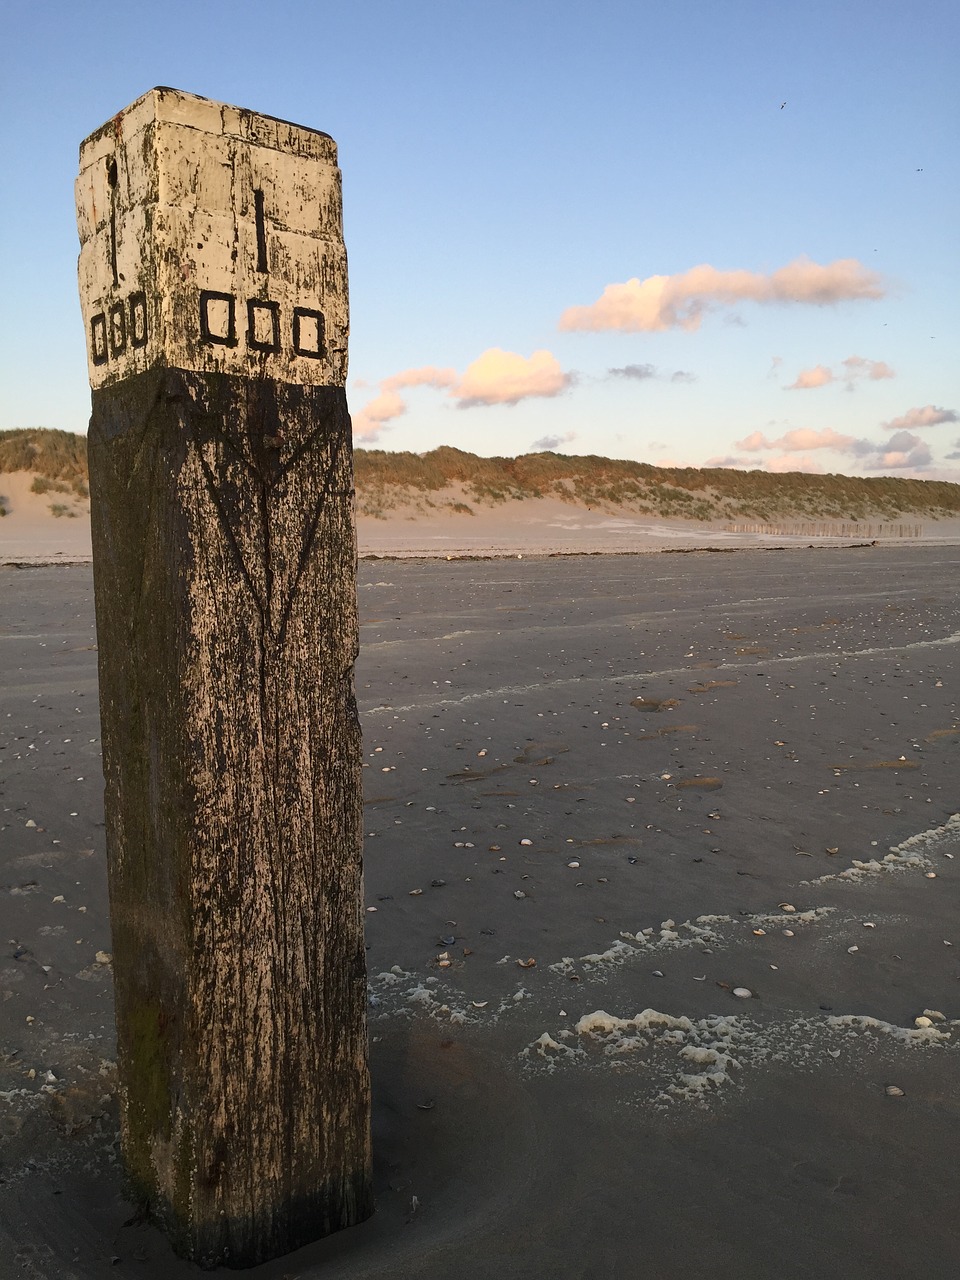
(31, 534)
(548, 526)
(711, 740)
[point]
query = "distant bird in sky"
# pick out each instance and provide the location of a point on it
(782, 105)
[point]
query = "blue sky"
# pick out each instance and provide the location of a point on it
(507, 165)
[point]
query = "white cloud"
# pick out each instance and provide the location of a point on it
(680, 301)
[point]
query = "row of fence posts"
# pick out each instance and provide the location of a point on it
(828, 529)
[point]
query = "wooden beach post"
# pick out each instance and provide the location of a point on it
(213, 287)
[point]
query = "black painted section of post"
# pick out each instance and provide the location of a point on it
(225, 569)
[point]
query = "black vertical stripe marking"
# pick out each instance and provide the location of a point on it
(261, 231)
(112, 179)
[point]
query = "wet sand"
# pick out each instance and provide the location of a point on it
(713, 739)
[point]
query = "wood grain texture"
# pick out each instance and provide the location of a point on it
(225, 570)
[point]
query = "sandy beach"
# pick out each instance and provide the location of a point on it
(31, 534)
(549, 526)
(603, 795)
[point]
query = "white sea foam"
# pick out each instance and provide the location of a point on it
(703, 1054)
(905, 1035)
(912, 854)
(707, 931)
(691, 1059)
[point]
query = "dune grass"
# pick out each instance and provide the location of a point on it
(388, 480)
(59, 458)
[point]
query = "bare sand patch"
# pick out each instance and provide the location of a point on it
(451, 524)
(33, 530)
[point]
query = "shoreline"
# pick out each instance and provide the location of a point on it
(60, 562)
(428, 555)
(45, 529)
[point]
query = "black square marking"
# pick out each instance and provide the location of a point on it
(137, 303)
(313, 350)
(208, 334)
(118, 329)
(98, 339)
(272, 309)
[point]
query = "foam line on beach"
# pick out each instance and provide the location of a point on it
(679, 1059)
(908, 855)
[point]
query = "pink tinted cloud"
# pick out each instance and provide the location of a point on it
(791, 463)
(753, 442)
(503, 377)
(428, 376)
(851, 369)
(495, 377)
(383, 408)
(800, 440)
(807, 379)
(902, 450)
(928, 416)
(901, 459)
(861, 367)
(804, 438)
(389, 404)
(680, 301)
(386, 405)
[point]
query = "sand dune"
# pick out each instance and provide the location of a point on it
(55, 527)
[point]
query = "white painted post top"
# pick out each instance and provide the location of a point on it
(211, 239)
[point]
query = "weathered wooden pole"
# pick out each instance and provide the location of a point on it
(214, 294)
